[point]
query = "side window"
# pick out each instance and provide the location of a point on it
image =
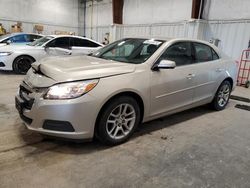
(6, 40)
(31, 38)
(180, 53)
(203, 53)
(62, 42)
(84, 43)
(18, 38)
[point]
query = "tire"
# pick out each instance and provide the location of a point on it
(22, 64)
(113, 126)
(247, 84)
(222, 96)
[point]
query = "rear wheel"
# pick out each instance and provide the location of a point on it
(118, 120)
(222, 96)
(247, 84)
(22, 64)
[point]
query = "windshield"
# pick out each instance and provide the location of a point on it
(41, 41)
(129, 50)
(5, 36)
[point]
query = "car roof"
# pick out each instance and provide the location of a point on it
(176, 39)
(74, 36)
(21, 33)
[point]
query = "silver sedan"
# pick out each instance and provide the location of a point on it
(134, 80)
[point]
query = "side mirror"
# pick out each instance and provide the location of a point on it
(8, 42)
(165, 64)
(46, 48)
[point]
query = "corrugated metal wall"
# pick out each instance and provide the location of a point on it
(233, 35)
(97, 33)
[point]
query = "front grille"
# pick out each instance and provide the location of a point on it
(24, 95)
(20, 104)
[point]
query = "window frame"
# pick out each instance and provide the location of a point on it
(33, 36)
(12, 37)
(157, 61)
(72, 41)
(211, 49)
(53, 40)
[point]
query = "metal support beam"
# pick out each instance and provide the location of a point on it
(117, 11)
(197, 9)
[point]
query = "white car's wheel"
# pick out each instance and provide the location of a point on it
(22, 64)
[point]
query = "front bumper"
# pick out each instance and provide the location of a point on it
(72, 119)
(6, 62)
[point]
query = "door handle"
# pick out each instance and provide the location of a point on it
(67, 53)
(190, 76)
(219, 70)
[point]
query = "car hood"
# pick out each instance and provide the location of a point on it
(3, 44)
(63, 69)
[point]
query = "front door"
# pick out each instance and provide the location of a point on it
(59, 47)
(173, 88)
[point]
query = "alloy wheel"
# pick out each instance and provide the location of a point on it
(121, 121)
(223, 95)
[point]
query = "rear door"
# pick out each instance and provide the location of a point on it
(206, 73)
(83, 46)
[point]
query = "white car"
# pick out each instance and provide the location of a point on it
(20, 57)
(19, 38)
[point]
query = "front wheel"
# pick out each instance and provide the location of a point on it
(222, 95)
(118, 120)
(22, 64)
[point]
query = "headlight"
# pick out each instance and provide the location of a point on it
(5, 53)
(70, 90)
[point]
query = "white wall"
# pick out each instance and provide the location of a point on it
(227, 9)
(98, 19)
(54, 14)
(156, 11)
(100, 14)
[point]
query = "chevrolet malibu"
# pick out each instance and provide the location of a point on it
(134, 80)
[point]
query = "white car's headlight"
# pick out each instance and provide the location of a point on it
(70, 90)
(5, 53)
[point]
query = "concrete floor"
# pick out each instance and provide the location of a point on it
(195, 148)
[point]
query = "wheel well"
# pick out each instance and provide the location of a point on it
(230, 80)
(130, 94)
(25, 56)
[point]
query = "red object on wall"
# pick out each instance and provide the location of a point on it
(244, 68)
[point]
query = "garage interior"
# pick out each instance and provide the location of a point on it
(195, 148)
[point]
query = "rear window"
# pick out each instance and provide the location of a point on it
(84, 43)
(204, 53)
